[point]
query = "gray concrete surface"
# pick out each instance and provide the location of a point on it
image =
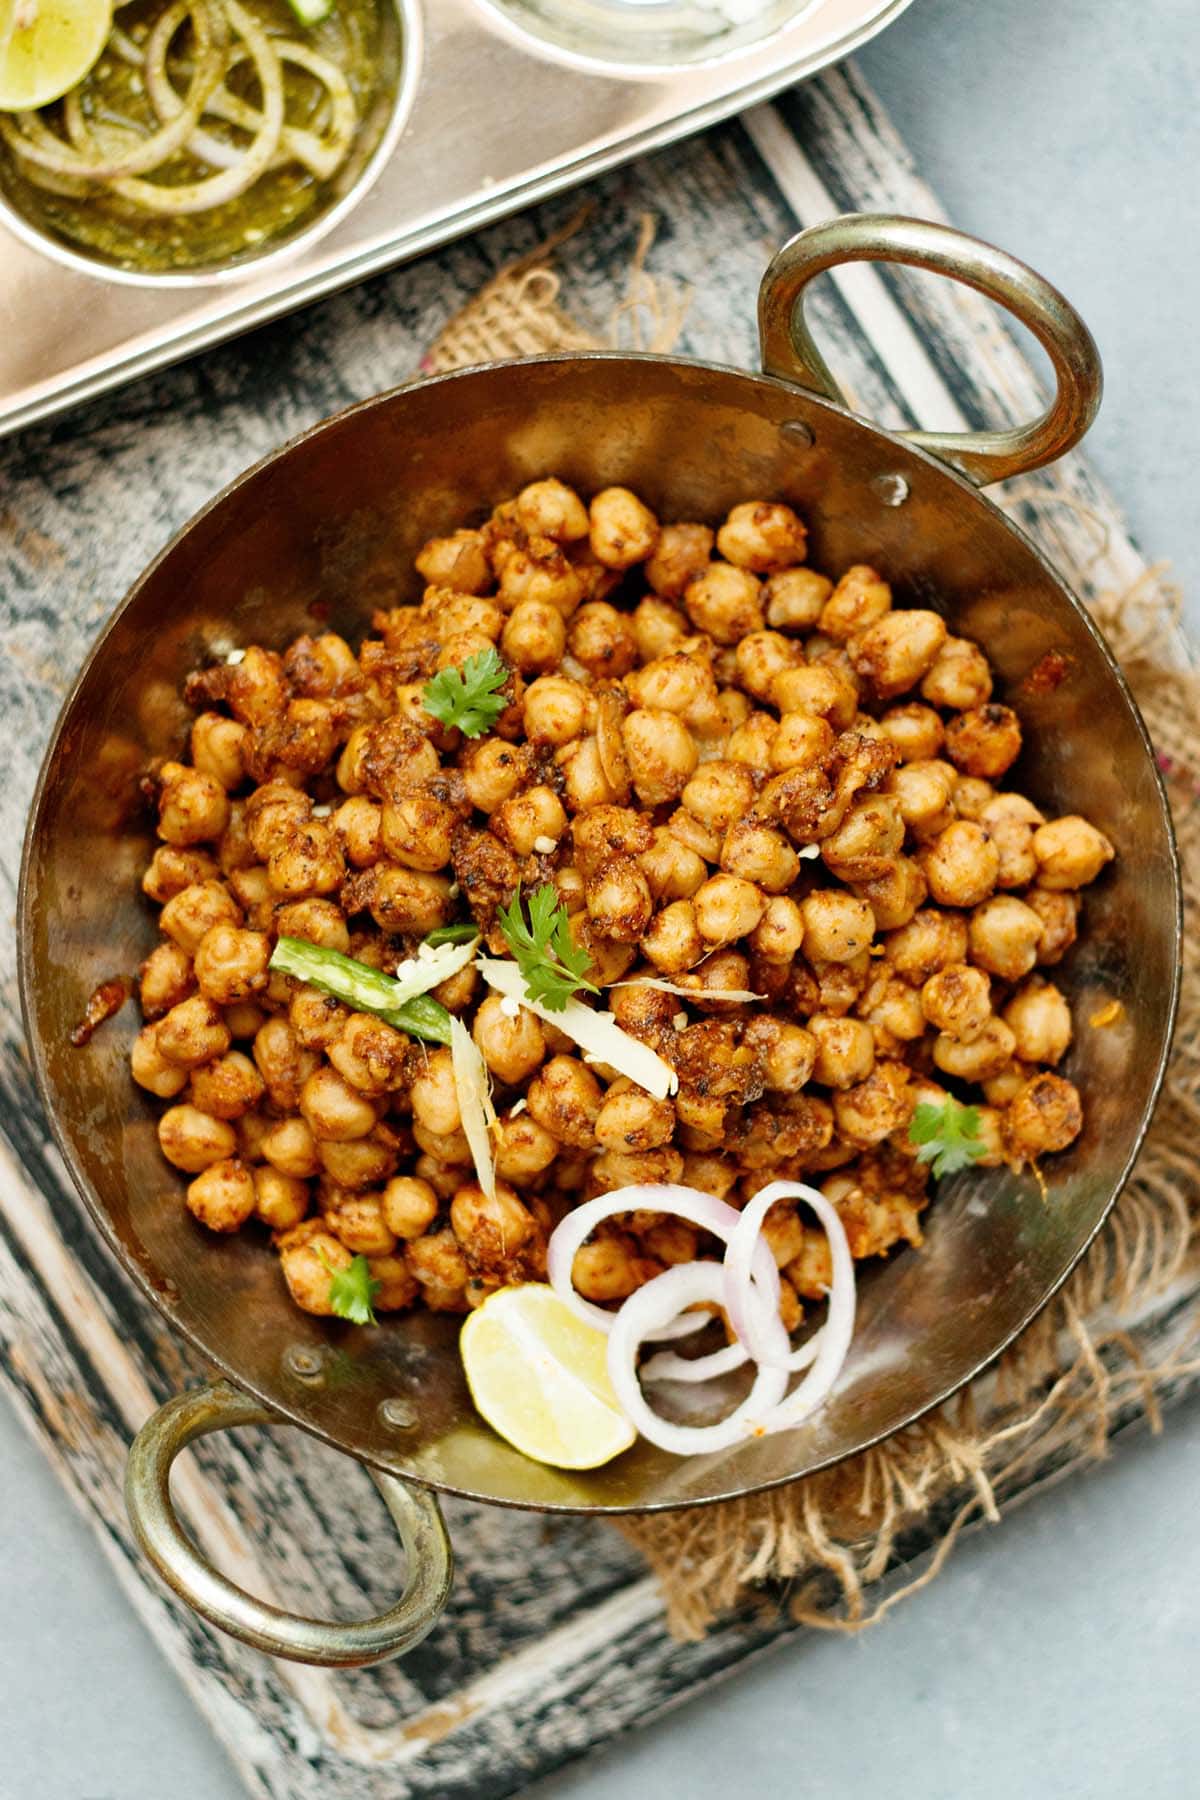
(1056, 1657)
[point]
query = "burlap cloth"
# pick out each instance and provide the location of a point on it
(1052, 1398)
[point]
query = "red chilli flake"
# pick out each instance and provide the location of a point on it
(108, 999)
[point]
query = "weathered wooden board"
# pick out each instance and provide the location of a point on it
(554, 1639)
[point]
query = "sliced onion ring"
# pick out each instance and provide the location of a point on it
(704, 1210)
(640, 1318)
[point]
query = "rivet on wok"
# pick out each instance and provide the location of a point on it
(891, 489)
(796, 433)
(303, 1363)
(397, 1415)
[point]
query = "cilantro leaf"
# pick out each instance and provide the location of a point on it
(553, 965)
(352, 1292)
(468, 697)
(948, 1136)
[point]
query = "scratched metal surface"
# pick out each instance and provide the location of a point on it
(554, 1639)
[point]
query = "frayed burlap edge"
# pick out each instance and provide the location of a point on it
(1054, 1396)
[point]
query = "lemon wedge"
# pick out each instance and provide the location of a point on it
(539, 1376)
(47, 46)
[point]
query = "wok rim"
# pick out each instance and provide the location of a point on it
(289, 1413)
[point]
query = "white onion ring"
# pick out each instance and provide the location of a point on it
(704, 1210)
(641, 1317)
(746, 1284)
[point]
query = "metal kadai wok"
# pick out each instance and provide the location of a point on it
(325, 525)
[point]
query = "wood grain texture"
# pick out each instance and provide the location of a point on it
(554, 1639)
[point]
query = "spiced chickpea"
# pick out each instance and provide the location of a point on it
(369, 1054)
(873, 1109)
(957, 1000)
(416, 830)
(1003, 1087)
(922, 792)
(439, 1265)
(610, 1268)
(672, 941)
(662, 754)
(760, 854)
(193, 808)
(280, 1201)
(193, 1032)
(984, 741)
(1040, 1021)
(491, 1228)
(530, 822)
(789, 1054)
(931, 940)
(523, 1149)
(164, 979)
(512, 1044)
(893, 654)
(867, 842)
(751, 742)
(795, 598)
(310, 1256)
(837, 926)
(603, 640)
(961, 865)
(222, 1195)
(680, 683)
(780, 932)
(492, 771)
(365, 1162)
(895, 896)
(192, 1140)
(859, 600)
(309, 862)
(725, 602)
(623, 530)
(673, 871)
(231, 964)
(803, 740)
(728, 907)
(333, 1109)
(959, 677)
(820, 690)
(619, 902)
(631, 1119)
(915, 732)
(458, 561)
(194, 910)
(659, 628)
(760, 657)
(218, 747)
(358, 1221)
(1070, 853)
(762, 536)
(1044, 1116)
(985, 1053)
(534, 637)
(290, 1147)
(1059, 914)
(171, 869)
(556, 710)
(894, 1009)
(845, 1052)
(410, 1206)
(409, 901)
(972, 796)
(1004, 937)
(227, 1087)
(681, 554)
(565, 1098)
(434, 1095)
(551, 509)
(151, 1069)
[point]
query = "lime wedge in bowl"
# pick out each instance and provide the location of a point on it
(47, 46)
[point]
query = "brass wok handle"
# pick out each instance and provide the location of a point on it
(219, 1406)
(789, 352)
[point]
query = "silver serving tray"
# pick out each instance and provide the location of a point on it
(498, 121)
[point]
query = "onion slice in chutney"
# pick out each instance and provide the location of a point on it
(745, 1284)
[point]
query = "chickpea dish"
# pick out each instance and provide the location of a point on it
(751, 819)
